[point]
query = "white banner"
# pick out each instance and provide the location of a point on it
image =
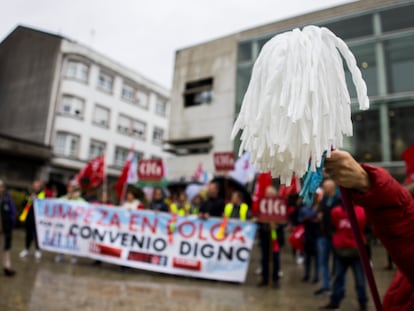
(147, 240)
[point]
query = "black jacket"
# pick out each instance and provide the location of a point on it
(8, 213)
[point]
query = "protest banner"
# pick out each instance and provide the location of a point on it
(140, 239)
(223, 161)
(273, 210)
(150, 170)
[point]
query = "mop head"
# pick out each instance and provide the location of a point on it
(297, 105)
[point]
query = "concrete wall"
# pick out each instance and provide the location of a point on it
(27, 63)
(216, 59)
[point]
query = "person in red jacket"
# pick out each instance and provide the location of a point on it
(346, 255)
(389, 207)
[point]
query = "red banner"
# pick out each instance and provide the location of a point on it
(150, 170)
(224, 161)
(273, 210)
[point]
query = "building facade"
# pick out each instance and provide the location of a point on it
(380, 33)
(56, 92)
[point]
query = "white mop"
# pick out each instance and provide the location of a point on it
(297, 105)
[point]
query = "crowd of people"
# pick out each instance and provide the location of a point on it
(327, 245)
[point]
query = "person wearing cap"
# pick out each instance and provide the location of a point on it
(389, 207)
(7, 222)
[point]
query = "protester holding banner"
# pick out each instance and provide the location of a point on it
(180, 207)
(7, 222)
(389, 207)
(213, 205)
(28, 217)
(73, 193)
(237, 209)
(132, 203)
(158, 201)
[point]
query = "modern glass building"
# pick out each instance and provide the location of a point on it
(381, 36)
(210, 80)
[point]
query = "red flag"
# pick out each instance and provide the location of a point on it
(94, 172)
(263, 181)
(408, 157)
(128, 174)
(294, 188)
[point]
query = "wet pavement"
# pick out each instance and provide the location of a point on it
(45, 285)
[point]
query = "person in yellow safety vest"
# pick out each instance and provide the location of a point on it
(181, 207)
(237, 208)
(28, 216)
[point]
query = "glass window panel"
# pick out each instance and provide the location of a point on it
(401, 121)
(142, 99)
(71, 70)
(245, 53)
(365, 145)
(105, 82)
(243, 79)
(352, 27)
(83, 72)
(139, 129)
(96, 148)
(398, 18)
(124, 124)
(400, 64)
(366, 61)
(101, 116)
(158, 135)
(161, 107)
(128, 93)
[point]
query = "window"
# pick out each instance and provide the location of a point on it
(142, 99)
(121, 155)
(131, 127)
(365, 145)
(367, 63)
(105, 82)
(161, 107)
(245, 52)
(158, 135)
(398, 18)
(67, 144)
(243, 79)
(139, 129)
(198, 92)
(77, 70)
(72, 106)
(128, 93)
(401, 129)
(96, 148)
(352, 27)
(399, 55)
(101, 116)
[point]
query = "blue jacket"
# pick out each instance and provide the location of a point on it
(8, 213)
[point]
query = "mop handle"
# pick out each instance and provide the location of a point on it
(361, 248)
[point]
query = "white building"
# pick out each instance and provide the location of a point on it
(91, 104)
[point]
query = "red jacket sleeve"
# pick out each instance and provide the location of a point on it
(390, 209)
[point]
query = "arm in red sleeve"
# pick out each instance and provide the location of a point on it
(390, 209)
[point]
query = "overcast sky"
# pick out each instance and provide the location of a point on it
(144, 35)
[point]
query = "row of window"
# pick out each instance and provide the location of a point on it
(67, 145)
(80, 71)
(75, 107)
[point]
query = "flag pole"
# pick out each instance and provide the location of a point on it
(104, 178)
